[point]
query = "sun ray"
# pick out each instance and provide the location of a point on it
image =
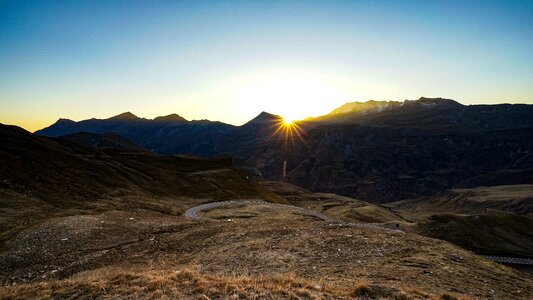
(288, 130)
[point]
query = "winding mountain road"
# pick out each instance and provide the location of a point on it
(510, 260)
(192, 213)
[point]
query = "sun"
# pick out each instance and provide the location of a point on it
(293, 94)
(288, 130)
(288, 121)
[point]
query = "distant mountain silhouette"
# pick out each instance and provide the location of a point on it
(378, 151)
(170, 134)
(170, 118)
(264, 118)
(125, 116)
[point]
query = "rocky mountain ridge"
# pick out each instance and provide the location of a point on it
(378, 151)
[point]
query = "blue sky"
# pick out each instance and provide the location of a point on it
(230, 60)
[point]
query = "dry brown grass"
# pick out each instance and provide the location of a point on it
(185, 283)
(188, 283)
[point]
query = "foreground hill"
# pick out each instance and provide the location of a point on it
(143, 254)
(378, 151)
(266, 253)
(41, 177)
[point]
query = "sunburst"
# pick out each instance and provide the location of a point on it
(288, 130)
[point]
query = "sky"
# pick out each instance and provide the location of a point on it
(230, 60)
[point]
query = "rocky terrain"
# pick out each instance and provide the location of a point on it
(273, 254)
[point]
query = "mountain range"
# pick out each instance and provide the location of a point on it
(97, 214)
(377, 151)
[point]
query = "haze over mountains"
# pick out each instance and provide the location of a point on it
(378, 151)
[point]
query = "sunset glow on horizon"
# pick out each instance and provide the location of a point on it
(228, 61)
(292, 94)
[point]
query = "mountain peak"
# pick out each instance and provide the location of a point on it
(374, 106)
(170, 118)
(61, 123)
(64, 121)
(125, 116)
(438, 101)
(264, 118)
(363, 107)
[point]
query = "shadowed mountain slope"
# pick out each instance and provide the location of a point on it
(170, 134)
(41, 177)
(378, 151)
(383, 164)
(103, 141)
